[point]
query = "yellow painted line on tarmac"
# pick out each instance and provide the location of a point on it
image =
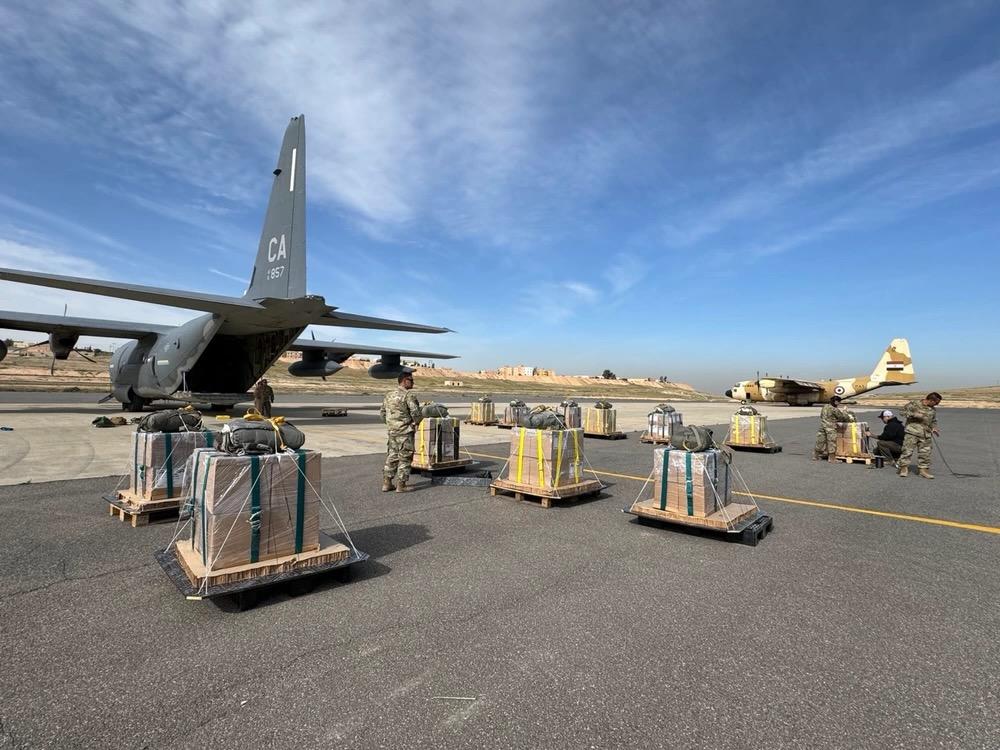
(982, 528)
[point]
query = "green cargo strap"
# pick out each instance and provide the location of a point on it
(663, 478)
(204, 513)
(209, 438)
(254, 509)
(135, 463)
(688, 482)
(300, 501)
(192, 491)
(170, 464)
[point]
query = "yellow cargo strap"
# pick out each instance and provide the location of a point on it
(576, 456)
(753, 429)
(855, 444)
(736, 428)
(423, 438)
(559, 452)
(520, 454)
(541, 460)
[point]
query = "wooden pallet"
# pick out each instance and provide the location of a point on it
(647, 438)
(127, 506)
(758, 447)
(505, 426)
(546, 495)
(750, 528)
(482, 424)
(457, 464)
(190, 561)
(866, 459)
(722, 520)
(606, 436)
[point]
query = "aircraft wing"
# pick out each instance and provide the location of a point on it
(304, 345)
(787, 385)
(84, 326)
(213, 303)
(349, 320)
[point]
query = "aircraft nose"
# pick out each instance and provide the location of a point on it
(729, 393)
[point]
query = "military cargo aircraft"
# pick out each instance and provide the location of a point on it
(214, 358)
(894, 368)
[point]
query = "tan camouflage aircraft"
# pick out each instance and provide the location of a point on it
(894, 368)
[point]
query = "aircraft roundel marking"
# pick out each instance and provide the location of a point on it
(839, 390)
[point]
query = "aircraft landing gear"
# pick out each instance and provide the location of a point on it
(136, 403)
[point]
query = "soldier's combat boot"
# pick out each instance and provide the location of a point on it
(831, 459)
(386, 485)
(925, 474)
(904, 471)
(401, 487)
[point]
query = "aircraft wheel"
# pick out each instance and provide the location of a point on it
(136, 403)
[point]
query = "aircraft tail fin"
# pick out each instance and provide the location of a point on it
(280, 269)
(896, 366)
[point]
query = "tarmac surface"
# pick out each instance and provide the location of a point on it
(52, 437)
(867, 618)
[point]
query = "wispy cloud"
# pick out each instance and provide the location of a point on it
(624, 272)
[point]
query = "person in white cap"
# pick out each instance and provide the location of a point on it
(890, 442)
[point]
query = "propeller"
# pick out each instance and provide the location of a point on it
(313, 334)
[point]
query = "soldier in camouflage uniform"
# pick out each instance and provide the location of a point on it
(921, 423)
(826, 436)
(401, 412)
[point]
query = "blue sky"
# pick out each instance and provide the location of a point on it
(693, 189)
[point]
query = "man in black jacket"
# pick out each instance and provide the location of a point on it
(890, 442)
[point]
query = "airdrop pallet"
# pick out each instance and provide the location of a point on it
(618, 435)
(647, 438)
(482, 424)
(546, 495)
(443, 467)
(868, 459)
(246, 583)
(126, 506)
(761, 448)
(505, 426)
(743, 523)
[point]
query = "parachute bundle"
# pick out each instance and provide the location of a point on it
(433, 409)
(542, 418)
(571, 413)
(187, 419)
(692, 438)
(255, 435)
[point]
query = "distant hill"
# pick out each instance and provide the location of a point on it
(31, 373)
(987, 396)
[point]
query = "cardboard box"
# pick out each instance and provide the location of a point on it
(158, 460)
(246, 509)
(572, 416)
(483, 411)
(661, 425)
(514, 414)
(852, 439)
(545, 458)
(748, 429)
(695, 484)
(436, 440)
(600, 421)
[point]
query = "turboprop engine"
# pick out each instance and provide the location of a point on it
(314, 364)
(62, 344)
(388, 368)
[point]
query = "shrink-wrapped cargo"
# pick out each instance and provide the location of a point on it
(691, 483)
(436, 440)
(158, 459)
(545, 458)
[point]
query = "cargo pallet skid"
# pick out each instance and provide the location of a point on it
(505, 426)
(647, 438)
(482, 424)
(744, 524)
(126, 506)
(759, 447)
(443, 467)
(299, 574)
(618, 435)
(867, 459)
(546, 495)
